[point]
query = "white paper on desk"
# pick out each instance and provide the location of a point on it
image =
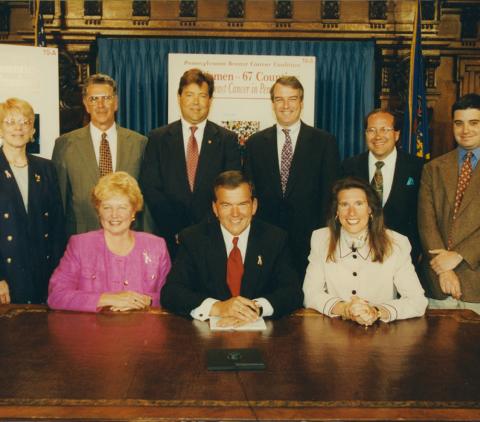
(258, 325)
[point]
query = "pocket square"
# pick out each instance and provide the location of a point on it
(410, 181)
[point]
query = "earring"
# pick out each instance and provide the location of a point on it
(336, 217)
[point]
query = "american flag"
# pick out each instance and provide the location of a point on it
(40, 36)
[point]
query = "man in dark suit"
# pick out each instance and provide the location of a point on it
(79, 155)
(449, 218)
(394, 174)
(293, 167)
(183, 158)
(256, 279)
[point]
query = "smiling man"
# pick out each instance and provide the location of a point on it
(183, 158)
(394, 174)
(85, 154)
(293, 167)
(236, 268)
(448, 215)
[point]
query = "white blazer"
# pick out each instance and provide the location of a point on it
(392, 284)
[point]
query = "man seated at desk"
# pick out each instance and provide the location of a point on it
(235, 268)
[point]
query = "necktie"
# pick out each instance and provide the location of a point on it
(105, 160)
(463, 181)
(234, 269)
(286, 159)
(377, 181)
(192, 157)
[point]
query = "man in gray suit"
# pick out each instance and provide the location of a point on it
(85, 154)
(448, 216)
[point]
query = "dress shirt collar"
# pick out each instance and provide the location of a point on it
(461, 157)
(198, 133)
(112, 136)
(349, 244)
(389, 161)
(242, 240)
(294, 131)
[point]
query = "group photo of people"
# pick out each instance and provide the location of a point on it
(183, 219)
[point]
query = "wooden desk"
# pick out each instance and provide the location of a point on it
(74, 366)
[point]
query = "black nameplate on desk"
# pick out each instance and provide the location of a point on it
(234, 360)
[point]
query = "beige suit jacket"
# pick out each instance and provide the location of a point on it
(78, 172)
(435, 219)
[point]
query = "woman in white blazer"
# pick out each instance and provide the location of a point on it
(358, 269)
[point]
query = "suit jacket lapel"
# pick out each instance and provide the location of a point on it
(217, 261)
(300, 155)
(449, 174)
(10, 185)
(85, 152)
(471, 191)
(363, 168)
(253, 263)
(271, 158)
(124, 149)
(177, 154)
(398, 179)
(207, 152)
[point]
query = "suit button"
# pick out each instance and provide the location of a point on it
(125, 283)
(45, 235)
(354, 256)
(6, 215)
(9, 237)
(45, 214)
(354, 273)
(9, 260)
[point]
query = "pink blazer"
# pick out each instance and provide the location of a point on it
(88, 269)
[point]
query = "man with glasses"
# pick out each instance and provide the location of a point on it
(394, 174)
(84, 155)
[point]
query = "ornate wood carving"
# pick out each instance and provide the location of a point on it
(331, 9)
(428, 10)
(47, 7)
(469, 18)
(283, 9)
(188, 9)
(92, 8)
(236, 9)
(468, 74)
(377, 9)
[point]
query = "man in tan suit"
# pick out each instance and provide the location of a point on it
(448, 215)
(78, 155)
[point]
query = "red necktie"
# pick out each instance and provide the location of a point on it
(462, 184)
(234, 269)
(105, 161)
(192, 157)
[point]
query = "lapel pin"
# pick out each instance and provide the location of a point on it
(259, 260)
(7, 174)
(37, 178)
(146, 257)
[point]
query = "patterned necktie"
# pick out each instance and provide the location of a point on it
(105, 160)
(234, 269)
(463, 181)
(377, 181)
(192, 157)
(286, 159)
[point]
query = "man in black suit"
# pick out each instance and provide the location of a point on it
(205, 279)
(182, 159)
(293, 167)
(399, 174)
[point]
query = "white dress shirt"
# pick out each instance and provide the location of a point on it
(202, 312)
(327, 283)
(96, 135)
(187, 133)
(388, 171)
(294, 131)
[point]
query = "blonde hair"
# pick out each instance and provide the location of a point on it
(117, 183)
(12, 105)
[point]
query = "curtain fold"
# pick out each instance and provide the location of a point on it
(344, 83)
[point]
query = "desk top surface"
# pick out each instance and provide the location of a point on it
(154, 364)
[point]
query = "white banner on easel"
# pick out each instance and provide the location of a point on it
(242, 87)
(31, 74)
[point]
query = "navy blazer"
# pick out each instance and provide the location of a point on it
(200, 269)
(31, 242)
(400, 210)
(164, 180)
(314, 168)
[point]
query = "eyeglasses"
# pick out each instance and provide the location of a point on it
(372, 131)
(94, 99)
(20, 122)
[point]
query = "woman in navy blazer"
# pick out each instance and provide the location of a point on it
(31, 215)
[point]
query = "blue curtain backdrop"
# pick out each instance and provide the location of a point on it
(344, 86)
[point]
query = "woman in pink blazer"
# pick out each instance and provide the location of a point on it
(115, 267)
